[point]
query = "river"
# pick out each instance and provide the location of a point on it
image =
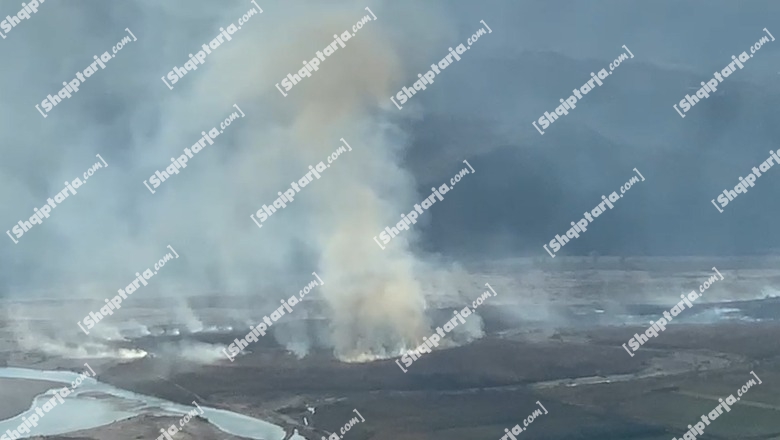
(93, 404)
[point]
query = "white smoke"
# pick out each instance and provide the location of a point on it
(114, 227)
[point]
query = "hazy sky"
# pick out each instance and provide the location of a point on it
(526, 189)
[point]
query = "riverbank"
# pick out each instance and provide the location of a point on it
(18, 395)
(148, 427)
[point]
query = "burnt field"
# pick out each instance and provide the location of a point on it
(537, 346)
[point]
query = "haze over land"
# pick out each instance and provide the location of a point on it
(554, 331)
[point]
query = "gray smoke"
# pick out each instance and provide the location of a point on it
(96, 240)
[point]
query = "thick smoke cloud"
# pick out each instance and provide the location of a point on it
(527, 187)
(96, 240)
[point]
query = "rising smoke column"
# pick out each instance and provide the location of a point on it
(375, 302)
(113, 227)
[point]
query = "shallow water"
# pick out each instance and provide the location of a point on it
(93, 404)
